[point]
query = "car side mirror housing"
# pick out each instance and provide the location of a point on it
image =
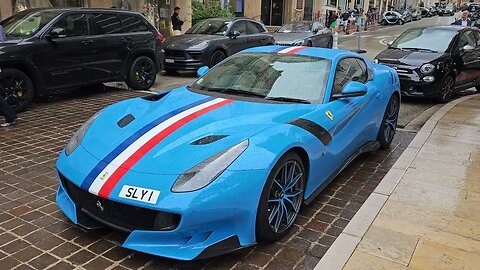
(234, 34)
(57, 32)
(201, 71)
(352, 89)
(389, 43)
(468, 48)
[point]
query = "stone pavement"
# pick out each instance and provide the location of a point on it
(425, 212)
(34, 234)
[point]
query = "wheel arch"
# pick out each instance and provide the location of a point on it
(28, 70)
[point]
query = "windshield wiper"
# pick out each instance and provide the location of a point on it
(235, 91)
(288, 99)
(418, 49)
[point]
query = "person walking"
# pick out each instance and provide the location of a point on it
(7, 111)
(176, 22)
(464, 20)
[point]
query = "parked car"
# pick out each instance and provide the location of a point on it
(434, 10)
(447, 10)
(49, 49)
(426, 12)
(269, 127)
(416, 14)
(436, 61)
(210, 41)
(392, 17)
(407, 16)
(304, 33)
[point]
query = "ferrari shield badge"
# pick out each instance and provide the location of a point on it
(329, 115)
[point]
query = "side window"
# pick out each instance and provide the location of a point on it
(260, 28)
(317, 27)
(252, 28)
(467, 38)
(477, 37)
(74, 24)
(132, 23)
(239, 26)
(107, 24)
(349, 69)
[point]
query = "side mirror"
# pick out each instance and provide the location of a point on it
(201, 71)
(468, 48)
(57, 32)
(352, 89)
(235, 34)
(389, 43)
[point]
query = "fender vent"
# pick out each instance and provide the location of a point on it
(127, 119)
(208, 139)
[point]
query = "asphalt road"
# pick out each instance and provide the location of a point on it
(413, 112)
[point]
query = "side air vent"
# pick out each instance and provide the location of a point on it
(208, 139)
(127, 119)
(155, 97)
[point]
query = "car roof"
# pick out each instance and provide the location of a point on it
(325, 53)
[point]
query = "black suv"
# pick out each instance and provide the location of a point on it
(48, 49)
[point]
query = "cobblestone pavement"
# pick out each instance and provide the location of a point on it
(35, 234)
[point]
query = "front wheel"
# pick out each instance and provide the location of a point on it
(281, 198)
(217, 57)
(142, 74)
(400, 22)
(389, 122)
(446, 89)
(16, 88)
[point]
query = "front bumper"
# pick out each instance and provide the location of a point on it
(185, 60)
(212, 221)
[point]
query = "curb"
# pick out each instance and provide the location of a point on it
(340, 251)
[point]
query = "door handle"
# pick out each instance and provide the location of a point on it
(87, 42)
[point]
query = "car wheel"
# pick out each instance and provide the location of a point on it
(309, 44)
(389, 122)
(281, 198)
(330, 43)
(16, 88)
(400, 22)
(383, 22)
(217, 57)
(446, 89)
(143, 73)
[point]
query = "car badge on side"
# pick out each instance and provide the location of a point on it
(104, 175)
(100, 206)
(329, 115)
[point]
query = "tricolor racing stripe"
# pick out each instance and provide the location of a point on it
(104, 177)
(293, 50)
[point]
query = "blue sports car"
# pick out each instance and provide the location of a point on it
(228, 161)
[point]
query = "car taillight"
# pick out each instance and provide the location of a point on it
(160, 38)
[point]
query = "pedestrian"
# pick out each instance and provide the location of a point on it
(7, 111)
(345, 17)
(464, 20)
(176, 22)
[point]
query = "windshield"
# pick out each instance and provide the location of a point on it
(210, 27)
(434, 40)
(269, 76)
(27, 24)
(296, 27)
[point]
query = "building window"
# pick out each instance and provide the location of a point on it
(272, 12)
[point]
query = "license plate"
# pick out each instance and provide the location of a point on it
(139, 194)
(169, 61)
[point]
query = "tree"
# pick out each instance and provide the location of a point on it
(210, 9)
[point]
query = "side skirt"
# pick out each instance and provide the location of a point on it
(368, 147)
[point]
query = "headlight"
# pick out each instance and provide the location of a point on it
(208, 170)
(375, 61)
(427, 68)
(298, 43)
(78, 136)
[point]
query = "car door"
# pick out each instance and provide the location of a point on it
(321, 36)
(109, 48)
(240, 42)
(256, 34)
(64, 53)
(465, 61)
(349, 124)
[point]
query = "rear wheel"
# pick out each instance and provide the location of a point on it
(446, 90)
(281, 198)
(389, 122)
(217, 57)
(16, 88)
(143, 73)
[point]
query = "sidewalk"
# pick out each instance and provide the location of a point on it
(425, 214)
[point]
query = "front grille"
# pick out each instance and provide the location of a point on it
(175, 54)
(118, 215)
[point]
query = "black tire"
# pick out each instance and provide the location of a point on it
(142, 74)
(446, 90)
(170, 71)
(275, 197)
(389, 122)
(309, 44)
(400, 22)
(17, 88)
(383, 22)
(217, 57)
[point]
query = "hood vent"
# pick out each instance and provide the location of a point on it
(155, 97)
(127, 119)
(208, 139)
